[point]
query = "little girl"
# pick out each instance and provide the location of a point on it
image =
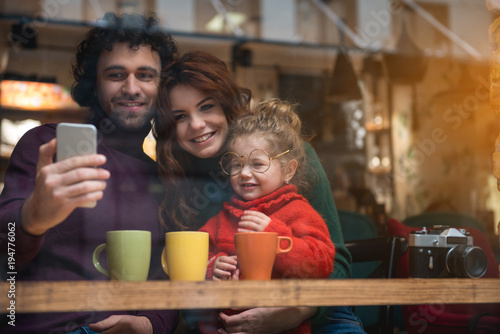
(267, 165)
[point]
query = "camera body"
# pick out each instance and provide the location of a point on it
(443, 252)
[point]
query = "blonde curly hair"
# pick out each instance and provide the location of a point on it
(278, 123)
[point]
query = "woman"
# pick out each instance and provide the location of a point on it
(198, 99)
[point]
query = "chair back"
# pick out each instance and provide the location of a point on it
(356, 226)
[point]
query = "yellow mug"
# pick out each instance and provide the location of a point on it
(185, 256)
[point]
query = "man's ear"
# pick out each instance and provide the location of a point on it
(291, 168)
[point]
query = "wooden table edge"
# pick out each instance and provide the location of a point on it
(58, 296)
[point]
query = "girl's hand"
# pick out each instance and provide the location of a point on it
(225, 268)
(253, 221)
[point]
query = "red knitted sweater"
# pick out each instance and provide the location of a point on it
(292, 216)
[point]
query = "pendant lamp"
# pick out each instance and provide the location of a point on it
(343, 85)
(408, 64)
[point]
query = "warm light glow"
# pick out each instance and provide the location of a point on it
(35, 95)
(375, 162)
(379, 121)
(377, 165)
(149, 146)
(217, 24)
(376, 123)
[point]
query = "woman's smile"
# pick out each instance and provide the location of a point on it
(203, 138)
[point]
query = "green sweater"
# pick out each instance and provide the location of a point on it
(321, 199)
(211, 189)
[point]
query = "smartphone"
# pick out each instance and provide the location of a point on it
(76, 139)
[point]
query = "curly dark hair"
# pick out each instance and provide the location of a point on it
(134, 29)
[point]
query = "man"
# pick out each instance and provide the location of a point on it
(117, 75)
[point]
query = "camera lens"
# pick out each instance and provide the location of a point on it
(466, 262)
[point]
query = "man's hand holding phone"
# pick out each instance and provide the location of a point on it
(61, 187)
(76, 140)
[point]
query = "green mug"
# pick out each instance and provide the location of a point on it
(128, 254)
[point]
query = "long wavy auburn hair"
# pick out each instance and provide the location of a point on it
(209, 75)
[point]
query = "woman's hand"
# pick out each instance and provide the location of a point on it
(225, 268)
(123, 324)
(253, 221)
(263, 320)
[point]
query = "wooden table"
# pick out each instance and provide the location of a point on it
(117, 295)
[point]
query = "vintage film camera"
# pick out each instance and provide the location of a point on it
(445, 252)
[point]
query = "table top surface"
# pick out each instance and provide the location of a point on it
(57, 296)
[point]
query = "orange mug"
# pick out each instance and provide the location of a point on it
(256, 252)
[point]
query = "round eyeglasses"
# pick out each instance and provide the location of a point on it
(232, 163)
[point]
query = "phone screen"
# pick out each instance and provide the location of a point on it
(75, 139)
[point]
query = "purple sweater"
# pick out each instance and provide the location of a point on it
(65, 251)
